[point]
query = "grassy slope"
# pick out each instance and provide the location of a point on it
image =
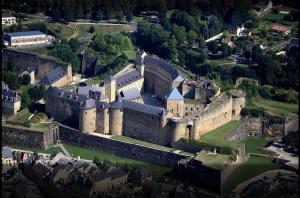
(276, 107)
(253, 167)
(61, 30)
(91, 154)
(145, 143)
(254, 144)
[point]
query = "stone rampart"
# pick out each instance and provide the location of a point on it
(119, 148)
(22, 136)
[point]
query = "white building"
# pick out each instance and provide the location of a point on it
(235, 30)
(31, 38)
(9, 20)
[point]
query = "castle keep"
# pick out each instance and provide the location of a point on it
(187, 108)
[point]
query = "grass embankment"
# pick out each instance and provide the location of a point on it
(252, 167)
(61, 30)
(104, 29)
(144, 143)
(280, 108)
(91, 154)
(255, 145)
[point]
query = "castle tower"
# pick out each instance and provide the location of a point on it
(102, 118)
(140, 66)
(175, 103)
(87, 117)
(69, 73)
(116, 117)
(111, 88)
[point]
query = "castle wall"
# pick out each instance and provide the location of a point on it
(192, 106)
(22, 60)
(87, 120)
(291, 123)
(237, 105)
(63, 110)
(102, 121)
(11, 108)
(140, 125)
(115, 121)
(23, 136)
(120, 148)
(157, 81)
(176, 107)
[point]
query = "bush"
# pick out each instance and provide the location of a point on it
(253, 111)
(26, 79)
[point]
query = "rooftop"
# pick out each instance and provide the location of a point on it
(10, 95)
(21, 34)
(143, 108)
(280, 28)
(54, 91)
(6, 152)
(174, 95)
(54, 75)
(127, 78)
(131, 94)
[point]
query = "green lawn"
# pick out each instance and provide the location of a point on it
(276, 107)
(60, 30)
(91, 154)
(145, 143)
(130, 55)
(104, 29)
(273, 17)
(212, 160)
(219, 134)
(22, 116)
(255, 145)
(253, 167)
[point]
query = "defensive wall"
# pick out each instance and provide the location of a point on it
(23, 136)
(21, 60)
(119, 148)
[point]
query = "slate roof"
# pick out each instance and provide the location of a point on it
(10, 96)
(85, 90)
(118, 104)
(54, 91)
(88, 104)
(127, 78)
(21, 34)
(143, 108)
(6, 152)
(54, 75)
(163, 65)
(131, 94)
(174, 95)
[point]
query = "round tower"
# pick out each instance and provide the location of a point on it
(87, 117)
(102, 118)
(116, 117)
(177, 130)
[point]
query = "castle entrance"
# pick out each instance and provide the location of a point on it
(188, 131)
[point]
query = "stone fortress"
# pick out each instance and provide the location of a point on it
(151, 102)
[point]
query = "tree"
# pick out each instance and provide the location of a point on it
(226, 35)
(179, 33)
(257, 53)
(98, 15)
(92, 29)
(129, 16)
(191, 37)
(119, 15)
(201, 41)
(25, 100)
(26, 79)
(213, 46)
(36, 93)
(74, 44)
(247, 54)
(10, 79)
(96, 160)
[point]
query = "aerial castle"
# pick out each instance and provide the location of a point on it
(120, 107)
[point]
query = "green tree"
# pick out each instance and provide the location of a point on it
(26, 79)
(36, 93)
(10, 79)
(179, 32)
(74, 44)
(201, 41)
(119, 15)
(92, 29)
(213, 46)
(226, 35)
(257, 53)
(129, 16)
(25, 100)
(191, 37)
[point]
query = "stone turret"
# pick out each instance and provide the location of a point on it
(175, 102)
(102, 118)
(140, 65)
(111, 88)
(87, 116)
(116, 117)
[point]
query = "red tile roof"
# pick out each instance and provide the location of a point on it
(280, 28)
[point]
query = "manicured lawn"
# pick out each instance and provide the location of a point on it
(220, 133)
(104, 29)
(21, 117)
(254, 144)
(136, 141)
(276, 18)
(276, 107)
(253, 167)
(91, 154)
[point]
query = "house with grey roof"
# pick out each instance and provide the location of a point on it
(11, 101)
(7, 157)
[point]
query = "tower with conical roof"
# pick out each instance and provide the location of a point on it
(116, 117)
(174, 102)
(87, 116)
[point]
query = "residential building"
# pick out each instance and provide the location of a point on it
(7, 157)
(235, 30)
(280, 29)
(11, 101)
(9, 20)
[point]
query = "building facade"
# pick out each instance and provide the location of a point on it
(31, 38)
